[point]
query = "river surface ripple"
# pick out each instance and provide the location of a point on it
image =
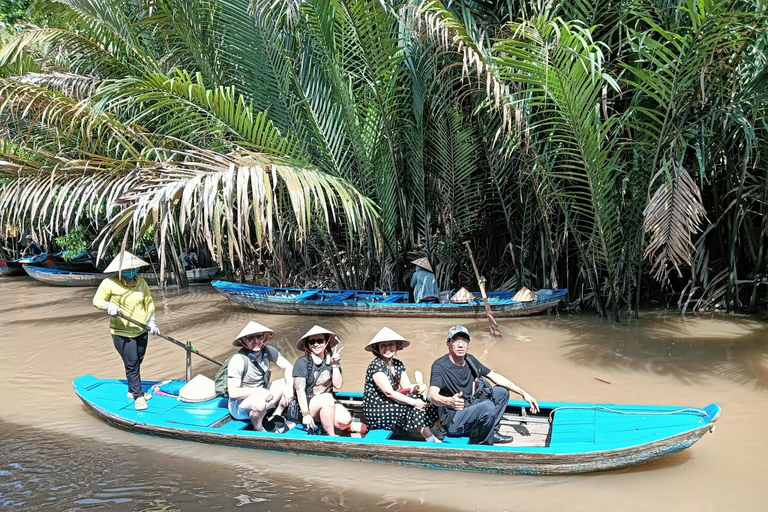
(55, 455)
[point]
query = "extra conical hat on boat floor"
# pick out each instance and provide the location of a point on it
(199, 389)
(423, 263)
(386, 334)
(125, 261)
(524, 295)
(332, 338)
(463, 296)
(253, 328)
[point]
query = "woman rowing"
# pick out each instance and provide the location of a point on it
(127, 293)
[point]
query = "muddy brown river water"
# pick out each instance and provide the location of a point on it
(55, 455)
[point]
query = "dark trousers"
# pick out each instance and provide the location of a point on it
(482, 417)
(132, 351)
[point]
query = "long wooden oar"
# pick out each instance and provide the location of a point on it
(481, 283)
(186, 346)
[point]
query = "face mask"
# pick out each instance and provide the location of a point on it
(129, 274)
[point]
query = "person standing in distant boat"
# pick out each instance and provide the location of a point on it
(423, 282)
(129, 294)
(31, 248)
(467, 403)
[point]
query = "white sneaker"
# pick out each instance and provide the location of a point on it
(140, 404)
(147, 396)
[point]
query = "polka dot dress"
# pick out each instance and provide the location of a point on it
(383, 412)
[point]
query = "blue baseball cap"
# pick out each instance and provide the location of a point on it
(458, 330)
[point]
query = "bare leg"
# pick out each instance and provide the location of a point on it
(343, 420)
(322, 408)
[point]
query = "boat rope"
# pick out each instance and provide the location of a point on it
(617, 411)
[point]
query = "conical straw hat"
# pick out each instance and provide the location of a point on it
(386, 334)
(125, 261)
(423, 263)
(463, 296)
(253, 328)
(524, 295)
(332, 338)
(199, 389)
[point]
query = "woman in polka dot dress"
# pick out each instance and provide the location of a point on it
(385, 407)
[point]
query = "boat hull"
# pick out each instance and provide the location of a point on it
(63, 278)
(16, 267)
(261, 299)
(556, 458)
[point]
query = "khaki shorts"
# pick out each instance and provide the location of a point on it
(237, 410)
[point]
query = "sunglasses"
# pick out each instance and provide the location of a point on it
(316, 342)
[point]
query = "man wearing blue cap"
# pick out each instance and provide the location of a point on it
(466, 402)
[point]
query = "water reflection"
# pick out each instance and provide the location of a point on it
(40, 471)
(689, 350)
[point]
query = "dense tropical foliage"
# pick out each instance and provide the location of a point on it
(614, 148)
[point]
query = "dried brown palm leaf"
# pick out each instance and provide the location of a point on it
(234, 203)
(672, 217)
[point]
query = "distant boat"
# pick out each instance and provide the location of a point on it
(305, 301)
(63, 278)
(563, 438)
(15, 267)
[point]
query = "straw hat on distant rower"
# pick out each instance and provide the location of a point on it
(254, 328)
(387, 334)
(423, 263)
(125, 261)
(330, 337)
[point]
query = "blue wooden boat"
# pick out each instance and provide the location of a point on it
(562, 438)
(16, 267)
(305, 301)
(58, 277)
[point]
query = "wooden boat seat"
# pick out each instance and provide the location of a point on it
(573, 426)
(234, 425)
(306, 295)
(378, 435)
(342, 296)
(457, 441)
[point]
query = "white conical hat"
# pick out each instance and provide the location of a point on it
(199, 389)
(253, 328)
(463, 296)
(524, 295)
(387, 334)
(423, 263)
(331, 336)
(125, 261)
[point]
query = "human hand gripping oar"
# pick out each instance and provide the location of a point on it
(481, 283)
(185, 346)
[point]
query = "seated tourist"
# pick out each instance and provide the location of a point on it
(251, 393)
(383, 405)
(315, 375)
(468, 404)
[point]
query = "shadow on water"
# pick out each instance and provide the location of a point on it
(44, 471)
(733, 348)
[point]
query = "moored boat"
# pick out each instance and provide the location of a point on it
(16, 267)
(563, 438)
(305, 301)
(63, 278)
